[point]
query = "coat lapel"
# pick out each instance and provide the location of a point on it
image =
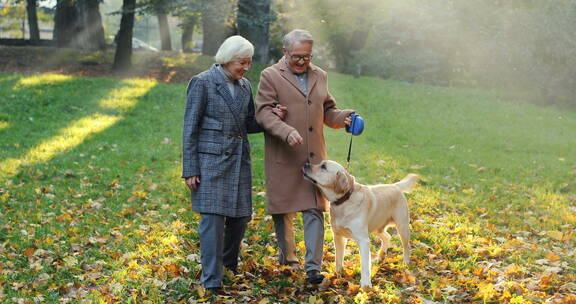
(222, 89)
(312, 78)
(287, 74)
(242, 94)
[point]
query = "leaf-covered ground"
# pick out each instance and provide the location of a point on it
(92, 208)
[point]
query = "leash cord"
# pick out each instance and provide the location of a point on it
(349, 150)
(350, 145)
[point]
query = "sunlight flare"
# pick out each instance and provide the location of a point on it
(43, 79)
(125, 98)
(69, 138)
(121, 99)
(4, 125)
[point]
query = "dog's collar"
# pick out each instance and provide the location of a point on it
(344, 198)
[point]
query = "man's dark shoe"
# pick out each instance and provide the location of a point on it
(314, 277)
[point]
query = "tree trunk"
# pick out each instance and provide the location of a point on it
(253, 24)
(214, 29)
(123, 55)
(188, 25)
(32, 20)
(92, 31)
(164, 32)
(66, 23)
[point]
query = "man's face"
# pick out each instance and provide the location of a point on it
(299, 55)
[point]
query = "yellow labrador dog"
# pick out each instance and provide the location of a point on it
(357, 210)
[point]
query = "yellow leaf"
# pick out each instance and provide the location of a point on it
(48, 241)
(312, 300)
(201, 291)
(551, 256)
(478, 271)
(271, 249)
(113, 184)
(557, 235)
(486, 291)
(64, 217)
(469, 191)
(141, 194)
(512, 269)
(174, 269)
(264, 301)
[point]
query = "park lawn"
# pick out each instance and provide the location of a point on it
(92, 207)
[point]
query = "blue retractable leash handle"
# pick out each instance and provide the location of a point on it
(356, 128)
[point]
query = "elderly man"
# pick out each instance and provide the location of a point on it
(297, 85)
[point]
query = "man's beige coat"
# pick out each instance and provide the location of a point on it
(286, 189)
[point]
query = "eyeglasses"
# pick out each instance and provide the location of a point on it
(300, 57)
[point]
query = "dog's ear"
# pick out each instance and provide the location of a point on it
(342, 183)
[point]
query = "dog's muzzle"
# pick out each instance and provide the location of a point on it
(305, 174)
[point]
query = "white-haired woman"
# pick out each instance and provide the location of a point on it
(216, 156)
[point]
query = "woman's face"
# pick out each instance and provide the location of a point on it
(238, 67)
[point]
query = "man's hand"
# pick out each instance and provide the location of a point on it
(280, 111)
(294, 139)
(348, 120)
(193, 182)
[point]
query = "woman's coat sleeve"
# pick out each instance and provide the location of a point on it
(195, 105)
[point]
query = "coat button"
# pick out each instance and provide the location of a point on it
(227, 153)
(311, 154)
(310, 129)
(309, 101)
(229, 136)
(239, 136)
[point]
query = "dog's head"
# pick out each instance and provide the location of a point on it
(330, 177)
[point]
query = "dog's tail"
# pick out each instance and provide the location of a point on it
(407, 183)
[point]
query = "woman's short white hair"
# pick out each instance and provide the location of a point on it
(296, 36)
(234, 47)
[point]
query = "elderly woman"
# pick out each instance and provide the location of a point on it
(216, 156)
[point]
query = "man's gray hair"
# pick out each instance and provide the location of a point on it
(296, 36)
(234, 47)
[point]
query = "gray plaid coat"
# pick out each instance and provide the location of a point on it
(215, 144)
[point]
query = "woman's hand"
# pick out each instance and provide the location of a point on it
(193, 182)
(280, 111)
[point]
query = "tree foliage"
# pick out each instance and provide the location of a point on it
(217, 23)
(253, 21)
(12, 14)
(519, 46)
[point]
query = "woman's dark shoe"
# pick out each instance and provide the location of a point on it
(216, 291)
(314, 277)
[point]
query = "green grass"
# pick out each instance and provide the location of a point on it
(92, 207)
